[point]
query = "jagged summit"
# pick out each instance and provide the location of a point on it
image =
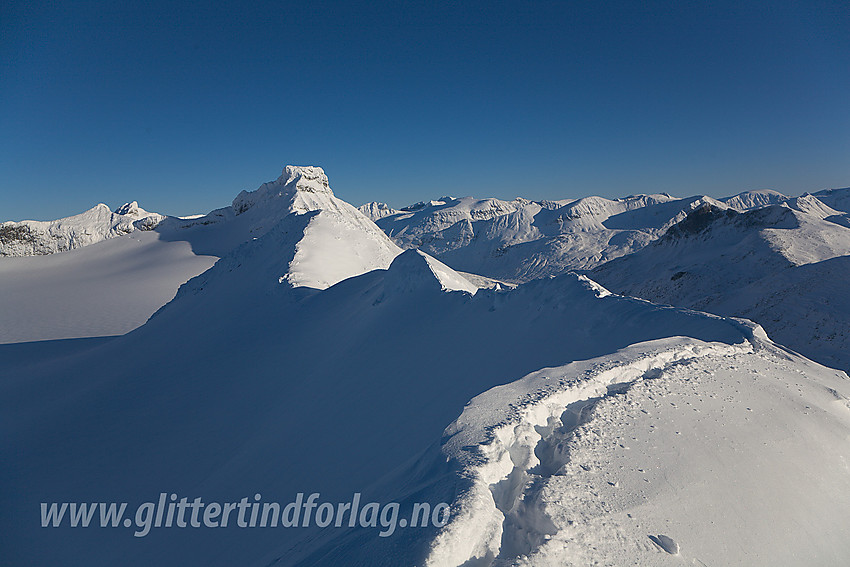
(291, 231)
(375, 210)
(303, 184)
(126, 208)
(132, 208)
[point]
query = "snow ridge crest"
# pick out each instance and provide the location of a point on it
(414, 270)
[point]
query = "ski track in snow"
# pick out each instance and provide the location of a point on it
(530, 448)
(585, 470)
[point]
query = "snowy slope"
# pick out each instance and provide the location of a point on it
(754, 199)
(108, 288)
(838, 199)
(655, 455)
(31, 238)
(241, 385)
(780, 267)
(805, 307)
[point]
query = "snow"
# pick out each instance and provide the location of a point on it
(521, 240)
(375, 210)
(246, 369)
(811, 205)
(778, 266)
(838, 199)
(107, 288)
(322, 239)
(748, 265)
(565, 424)
(414, 269)
(337, 242)
(333, 250)
(754, 199)
(111, 287)
(29, 238)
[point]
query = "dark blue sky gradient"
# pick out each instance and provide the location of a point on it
(182, 105)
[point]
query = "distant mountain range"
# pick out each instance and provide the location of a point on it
(762, 255)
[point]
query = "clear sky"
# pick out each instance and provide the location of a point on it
(181, 105)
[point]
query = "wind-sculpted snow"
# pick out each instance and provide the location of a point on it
(583, 463)
(267, 388)
(37, 238)
(565, 425)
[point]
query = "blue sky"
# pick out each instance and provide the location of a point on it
(182, 105)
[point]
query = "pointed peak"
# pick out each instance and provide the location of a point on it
(414, 270)
(127, 208)
(133, 209)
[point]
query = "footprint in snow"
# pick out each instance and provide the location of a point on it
(666, 543)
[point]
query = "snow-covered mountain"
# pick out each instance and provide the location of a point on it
(838, 199)
(345, 390)
(563, 424)
(754, 199)
(747, 265)
(32, 238)
(376, 210)
(781, 267)
(521, 240)
(113, 286)
(314, 239)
